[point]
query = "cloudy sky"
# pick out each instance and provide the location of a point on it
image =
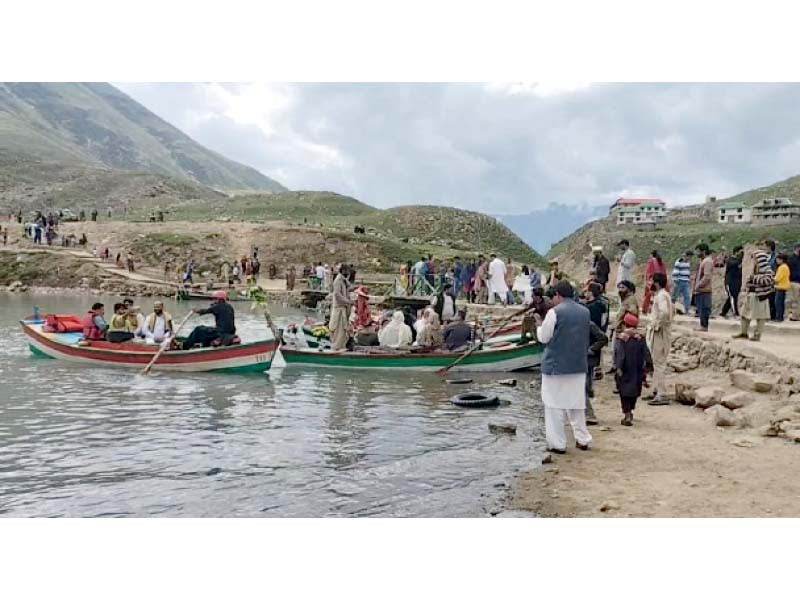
(497, 148)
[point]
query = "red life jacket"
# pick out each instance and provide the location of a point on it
(90, 330)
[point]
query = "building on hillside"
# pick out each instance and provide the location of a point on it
(734, 212)
(711, 199)
(638, 210)
(776, 210)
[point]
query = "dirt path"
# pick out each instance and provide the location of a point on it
(673, 462)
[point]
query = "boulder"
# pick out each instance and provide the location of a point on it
(608, 505)
(753, 382)
(736, 400)
(786, 413)
(721, 416)
(757, 414)
(707, 396)
(684, 394)
(768, 431)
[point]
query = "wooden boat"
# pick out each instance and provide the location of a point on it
(494, 356)
(252, 357)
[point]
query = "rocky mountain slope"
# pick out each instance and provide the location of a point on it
(96, 124)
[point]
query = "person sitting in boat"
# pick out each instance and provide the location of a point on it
(135, 317)
(367, 336)
(224, 328)
(423, 320)
(158, 325)
(94, 324)
(458, 334)
(431, 336)
(396, 333)
(121, 326)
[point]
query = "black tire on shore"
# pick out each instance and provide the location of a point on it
(475, 400)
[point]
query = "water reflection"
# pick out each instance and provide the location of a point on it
(83, 441)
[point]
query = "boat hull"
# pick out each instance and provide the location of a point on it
(499, 359)
(241, 358)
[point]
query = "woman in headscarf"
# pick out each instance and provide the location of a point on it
(654, 265)
(396, 333)
(363, 315)
(431, 336)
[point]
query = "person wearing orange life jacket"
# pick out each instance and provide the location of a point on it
(94, 325)
(158, 325)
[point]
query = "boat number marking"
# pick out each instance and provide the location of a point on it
(260, 358)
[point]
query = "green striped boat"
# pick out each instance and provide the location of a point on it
(503, 356)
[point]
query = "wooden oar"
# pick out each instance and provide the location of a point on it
(499, 328)
(165, 345)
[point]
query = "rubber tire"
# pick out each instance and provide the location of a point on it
(475, 400)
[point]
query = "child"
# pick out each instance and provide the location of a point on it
(782, 285)
(632, 361)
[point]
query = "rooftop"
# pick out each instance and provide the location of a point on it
(729, 205)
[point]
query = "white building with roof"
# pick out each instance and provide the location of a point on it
(638, 210)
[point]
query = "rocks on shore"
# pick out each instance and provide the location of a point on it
(708, 396)
(754, 382)
(721, 416)
(506, 428)
(17, 286)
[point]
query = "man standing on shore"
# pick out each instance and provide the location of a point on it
(658, 336)
(681, 273)
(702, 286)
(497, 280)
(760, 284)
(601, 267)
(626, 263)
(565, 333)
(733, 282)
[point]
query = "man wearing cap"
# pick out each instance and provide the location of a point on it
(565, 333)
(340, 310)
(601, 267)
(626, 263)
(224, 325)
(158, 325)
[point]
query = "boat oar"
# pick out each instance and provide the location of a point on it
(165, 345)
(499, 328)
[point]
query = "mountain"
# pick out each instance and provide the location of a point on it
(543, 227)
(96, 124)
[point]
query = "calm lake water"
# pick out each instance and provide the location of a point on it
(82, 442)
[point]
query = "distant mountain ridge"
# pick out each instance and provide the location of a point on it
(95, 123)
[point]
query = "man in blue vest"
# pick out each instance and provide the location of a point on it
(565, 333)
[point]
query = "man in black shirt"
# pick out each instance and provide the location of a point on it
(733, 281)
(601, 266)
(458, 334)
(224, 326)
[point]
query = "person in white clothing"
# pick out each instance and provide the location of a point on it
(497, 280)
(158, 327)
(626, 263)
(565, 333)
(396, 333)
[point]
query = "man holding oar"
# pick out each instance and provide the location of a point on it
(565, 333)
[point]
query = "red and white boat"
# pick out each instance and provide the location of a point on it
(251, 357)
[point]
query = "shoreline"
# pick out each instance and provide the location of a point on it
(674, 461)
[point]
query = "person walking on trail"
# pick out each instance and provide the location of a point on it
(632, 361)
(782, 286)
(654, 265)
(601, 267)
(340, 311)
(702, 286)
(627, 262)
(794, 279)
(733, 282)
(131, 268)
(760, 284)
(658, 337)
(497, 280)
(565, 333)
(291, 275)
(681, 273)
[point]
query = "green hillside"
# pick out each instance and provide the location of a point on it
(788, 188)
(326, 208)
(97, 124)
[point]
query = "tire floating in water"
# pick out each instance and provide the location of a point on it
(475, 400)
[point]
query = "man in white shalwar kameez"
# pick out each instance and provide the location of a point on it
(497, 280)
(565, 333)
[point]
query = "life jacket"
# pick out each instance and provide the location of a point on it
(152, 318)
(90, 330)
